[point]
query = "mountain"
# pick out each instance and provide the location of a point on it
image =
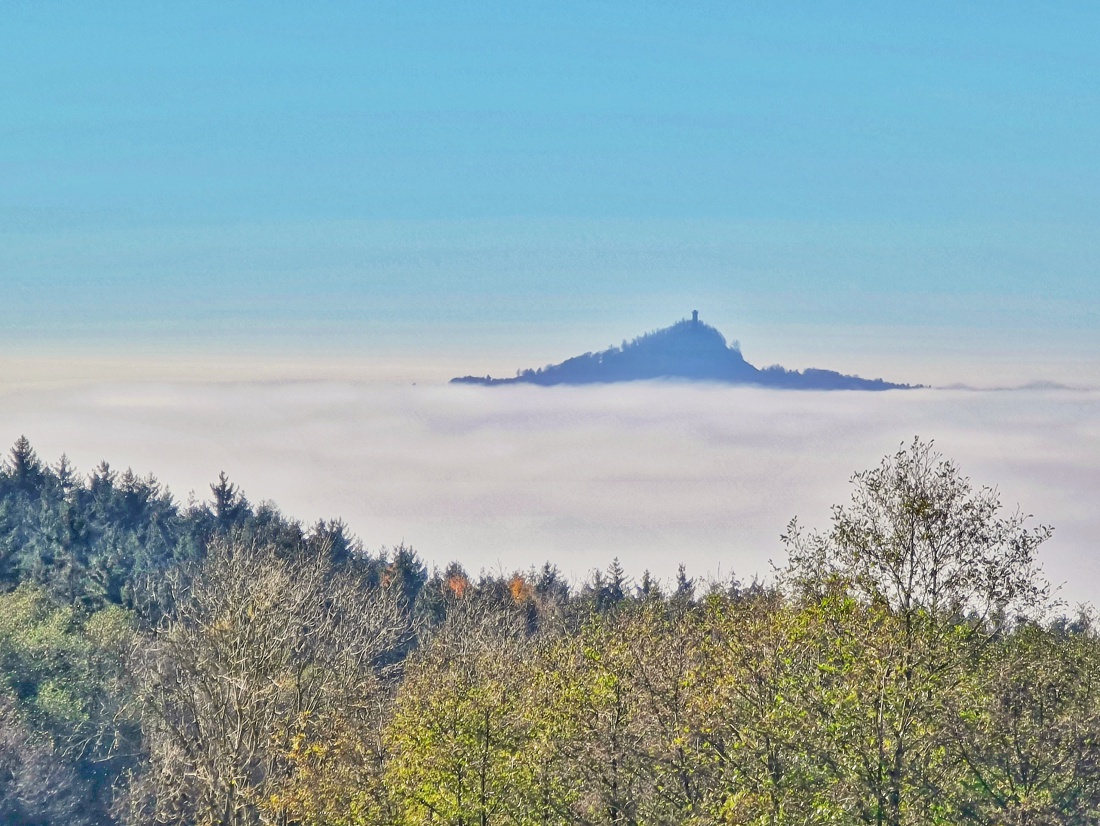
(689, 349)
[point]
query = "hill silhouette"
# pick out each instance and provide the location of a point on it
(689, 349)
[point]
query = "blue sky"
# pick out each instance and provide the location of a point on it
(847, 181)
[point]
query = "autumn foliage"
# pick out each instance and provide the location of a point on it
(905, 667)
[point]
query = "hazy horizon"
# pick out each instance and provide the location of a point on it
(933, 356)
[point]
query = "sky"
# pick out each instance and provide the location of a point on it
(416, 189)
(259, 238)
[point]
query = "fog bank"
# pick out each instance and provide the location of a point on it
(653, 473)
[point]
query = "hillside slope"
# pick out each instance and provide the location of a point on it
(689, 349)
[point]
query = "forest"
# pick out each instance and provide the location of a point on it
(216, 663)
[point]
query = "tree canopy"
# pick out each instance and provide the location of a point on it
(217, 663)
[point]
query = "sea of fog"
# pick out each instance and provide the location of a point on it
(652, 473)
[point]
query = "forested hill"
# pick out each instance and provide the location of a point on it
(217, 663)
(689, 349)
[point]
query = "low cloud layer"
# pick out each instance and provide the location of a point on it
(656, 474)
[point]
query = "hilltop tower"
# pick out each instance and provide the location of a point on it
(695, 317)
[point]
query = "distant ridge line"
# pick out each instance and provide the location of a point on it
(688, 349)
